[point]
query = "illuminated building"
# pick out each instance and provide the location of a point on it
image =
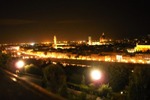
(13, 48)
(103, 38)
(131, 50)
(61, 44)
(142, 48)
(119, 58)
(89, 40)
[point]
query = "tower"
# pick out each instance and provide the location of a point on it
(89, 40)
(55, 42)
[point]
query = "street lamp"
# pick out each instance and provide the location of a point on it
(19, 64)
(96, 75)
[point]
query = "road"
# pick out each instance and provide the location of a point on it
(12, 88)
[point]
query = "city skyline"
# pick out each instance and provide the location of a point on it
(36, 21)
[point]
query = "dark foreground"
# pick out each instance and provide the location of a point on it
(14, 89)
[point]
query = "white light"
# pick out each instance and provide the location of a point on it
(18, 53)
(121, 92)
(119, 57)
(20, 64)
(32, 44)
(96, 75)
(14, 79)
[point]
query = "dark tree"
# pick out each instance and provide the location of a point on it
(118, 77)
(139, 85)
(55, 79)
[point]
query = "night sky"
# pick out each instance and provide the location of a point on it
(40, 20)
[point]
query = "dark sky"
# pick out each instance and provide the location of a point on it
(40, 20)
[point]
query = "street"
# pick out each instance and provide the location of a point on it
(14, 89)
